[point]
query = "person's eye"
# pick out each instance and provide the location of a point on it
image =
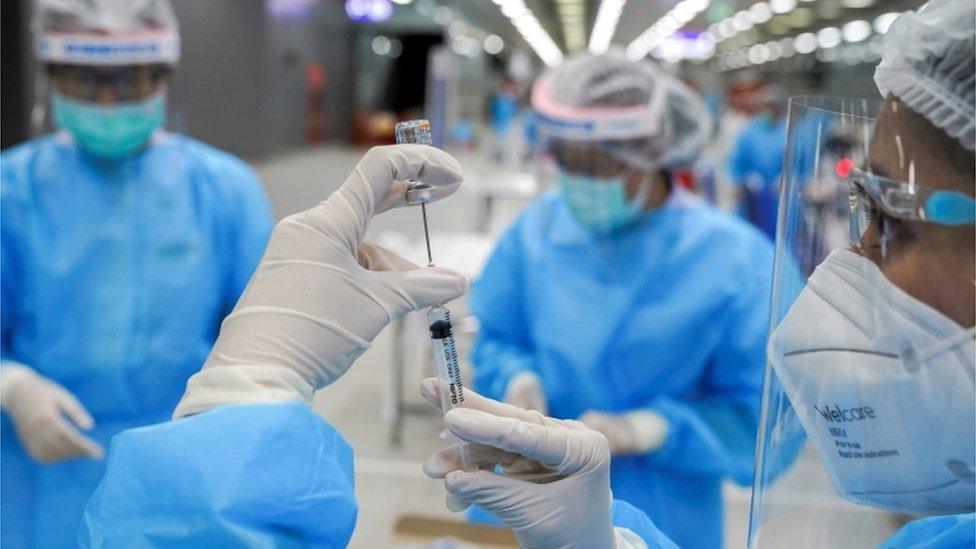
(870, 210)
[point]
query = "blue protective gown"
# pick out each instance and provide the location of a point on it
(669, 315)
(115, 277)
(755, 164)
(261, 475)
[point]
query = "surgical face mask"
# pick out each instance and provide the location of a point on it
(601, 204)
(883, 385)
(113, 132)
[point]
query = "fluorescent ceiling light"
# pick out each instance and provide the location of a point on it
(494, 44)
(663, 28)
(531, 30)
(758, 54)
(828, 37)
(605, 25)
(805, 43)
(381, 45)
(855, 31)
(742, 21)
(782, 6)
(760, 13)
(883, 21)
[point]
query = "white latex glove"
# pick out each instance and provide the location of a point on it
(320, 295)
(631, 433)
(554, 489)
(525, 391)
(47, 417)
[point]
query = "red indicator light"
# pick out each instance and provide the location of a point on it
(844, 167)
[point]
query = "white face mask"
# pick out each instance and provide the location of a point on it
(884, 388)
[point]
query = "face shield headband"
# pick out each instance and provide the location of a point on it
(117, 49)
(594, 123)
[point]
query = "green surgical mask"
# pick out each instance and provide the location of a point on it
(112, 132)
(600, 204)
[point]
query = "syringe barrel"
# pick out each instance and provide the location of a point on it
(445, 356)
(418, 132)
(445, 359)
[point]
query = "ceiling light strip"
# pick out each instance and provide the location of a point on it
(670, 23)
(803, 44)
(531, 30)
(605, 25)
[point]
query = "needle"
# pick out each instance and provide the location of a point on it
(430, 258)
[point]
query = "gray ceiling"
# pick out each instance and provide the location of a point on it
(638, 15)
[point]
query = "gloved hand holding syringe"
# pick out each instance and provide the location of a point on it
(438, 317)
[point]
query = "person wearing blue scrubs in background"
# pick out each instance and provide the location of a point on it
(757, 158)
(625, 302)
(123, 247)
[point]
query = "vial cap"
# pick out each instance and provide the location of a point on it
(414, 131)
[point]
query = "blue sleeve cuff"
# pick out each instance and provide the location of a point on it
(706, 438)
(249, 475)
(496, 364)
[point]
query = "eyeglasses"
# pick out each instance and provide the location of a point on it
(872, 197)
(127, 83)
(588, 158)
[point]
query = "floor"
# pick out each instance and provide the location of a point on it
(389, 480)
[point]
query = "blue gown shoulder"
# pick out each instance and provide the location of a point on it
(246, 475)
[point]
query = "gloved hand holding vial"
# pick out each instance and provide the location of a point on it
(438, 316)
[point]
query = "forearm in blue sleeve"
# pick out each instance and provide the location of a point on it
(497, 362)
(736, 165)
(503, 347)
(709, 437)
(253, 231)
(8, 279)
(244, 476)
(627, 516)
(714, 432)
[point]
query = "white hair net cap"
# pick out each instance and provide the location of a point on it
(106, 32)
(654, 119)
(928, 63)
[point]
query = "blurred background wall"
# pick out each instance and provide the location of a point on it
(259, 77)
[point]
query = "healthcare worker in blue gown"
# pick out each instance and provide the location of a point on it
(757, 159)
(123, 247)
(247, 463)
(872, 361)
(621, 300)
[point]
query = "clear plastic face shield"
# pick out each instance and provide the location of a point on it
(601, 160)
(868, 413)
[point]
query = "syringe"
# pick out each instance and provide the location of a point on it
(445, 356)
(438, 317)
